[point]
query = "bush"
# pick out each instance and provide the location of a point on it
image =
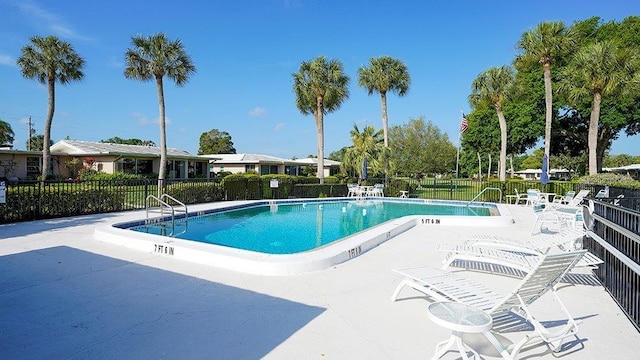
(196, 192)
(610, 179)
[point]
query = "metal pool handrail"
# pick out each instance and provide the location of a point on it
(482, 192)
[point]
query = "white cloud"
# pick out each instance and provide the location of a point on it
(114, 62)
(7, 60)
(278, 127)
(50, 20)
(143, 120)
(257, 112)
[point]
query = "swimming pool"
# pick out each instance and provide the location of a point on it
(294, 227)
(357, 225)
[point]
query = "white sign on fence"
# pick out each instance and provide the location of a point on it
(3, 192)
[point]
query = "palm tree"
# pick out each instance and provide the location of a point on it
(494, 86)
(598, 70)
(368, 144)
(153, 58)
(545, 44)
(50, 60)
(6, 134)
(320, 87)
(385, 74)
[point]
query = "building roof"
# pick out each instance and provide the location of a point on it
(623, 168)
(90, 148)
(539, 171)
(314, 161)
(245, 159)
(264, 159)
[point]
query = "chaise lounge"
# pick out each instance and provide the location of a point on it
(443, 285)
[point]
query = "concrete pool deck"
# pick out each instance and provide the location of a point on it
(64, 294)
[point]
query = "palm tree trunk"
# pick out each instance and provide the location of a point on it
(385, 120)
(46, 155)
(163, 138)
(479, 166)
(503, 144)
(593, 133)
(385, 130)
(320, 134)
(548, 100)
(511, 164)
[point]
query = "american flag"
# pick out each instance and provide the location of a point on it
(463, 124)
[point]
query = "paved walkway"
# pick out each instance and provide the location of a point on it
(65, 295)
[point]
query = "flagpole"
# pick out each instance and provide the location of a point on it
(459, 145)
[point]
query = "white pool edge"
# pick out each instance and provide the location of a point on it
(288, 264)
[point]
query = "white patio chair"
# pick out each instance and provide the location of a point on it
(564, 199)
(352, 190)
(518, 197)
(533, 197)
(443, 285)
(376, 190)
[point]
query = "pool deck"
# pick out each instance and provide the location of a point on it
(64, 294)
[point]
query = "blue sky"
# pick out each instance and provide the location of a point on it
(246, 52)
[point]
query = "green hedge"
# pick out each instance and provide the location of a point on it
(193, 193)
(58, 202)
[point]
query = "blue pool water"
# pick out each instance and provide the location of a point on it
(288, 228)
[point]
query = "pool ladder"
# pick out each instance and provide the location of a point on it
(164, 209)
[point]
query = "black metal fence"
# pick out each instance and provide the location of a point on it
(36, 200)
(615, 238)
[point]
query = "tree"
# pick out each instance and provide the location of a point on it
(493, 86)
(36, 142)
(369, 145)
(419, 147)
(6, 134)
(320, 87)
(596, 71)
(153, 58)
(50, 60)
(134, 141)
(385, 74)
(544, 44)
(216, 142)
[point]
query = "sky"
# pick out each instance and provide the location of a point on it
(245, 53)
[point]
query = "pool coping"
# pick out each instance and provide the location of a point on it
(290, 264)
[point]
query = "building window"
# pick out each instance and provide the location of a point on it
(177, 169)
(134, 166)
(196, 169)
(33, 167)
(248, 168)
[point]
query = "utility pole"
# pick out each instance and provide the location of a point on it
(30, 134)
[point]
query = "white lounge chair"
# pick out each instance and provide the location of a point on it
(566, 239)
(442, 285)
(518, 253)
(577, 200)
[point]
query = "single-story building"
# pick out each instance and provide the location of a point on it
(632, 170)
(265, 164)
(534, 174)
(105, 157)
